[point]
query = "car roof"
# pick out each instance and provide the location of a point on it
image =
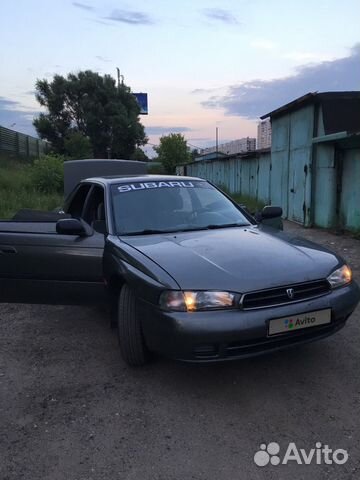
(114, 179)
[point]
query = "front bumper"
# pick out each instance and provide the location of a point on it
(226, 335)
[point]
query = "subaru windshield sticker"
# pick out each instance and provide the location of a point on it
(149, 185)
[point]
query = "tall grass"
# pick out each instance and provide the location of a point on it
(17, 190)
(252, 204)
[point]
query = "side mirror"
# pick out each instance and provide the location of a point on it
(270, 216)
(73, 226)
(271, 212)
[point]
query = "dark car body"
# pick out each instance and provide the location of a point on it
(39, 263)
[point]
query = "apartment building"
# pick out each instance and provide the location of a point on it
(264, 134)
(241, 145)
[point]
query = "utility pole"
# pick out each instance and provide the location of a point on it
(118, 77)
(217, 141)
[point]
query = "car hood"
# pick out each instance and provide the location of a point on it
(236, 259)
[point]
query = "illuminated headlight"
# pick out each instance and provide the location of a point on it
(195, 301)
(340, 277)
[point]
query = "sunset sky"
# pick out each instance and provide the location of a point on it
(204, 64)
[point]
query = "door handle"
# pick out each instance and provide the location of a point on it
(7, 249)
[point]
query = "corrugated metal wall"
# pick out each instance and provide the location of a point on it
(280, 178)
(291, 154)
(336, 201)
(336, 188)
(248, 176)
(349, 208)
(325, 185)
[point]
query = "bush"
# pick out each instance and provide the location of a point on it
(47, 174)
(155, 168)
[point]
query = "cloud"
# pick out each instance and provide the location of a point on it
(306, 56)
(17, 117)
(7, 104)
(263, 44)
(130, 17)
(220, 15)
(101, 22)
(158, 130)
(83, 6)
(202, 91)
(201, 139)
(102, 59)
(201, 142)
(254, 98)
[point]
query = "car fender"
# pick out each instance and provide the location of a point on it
(123, 263)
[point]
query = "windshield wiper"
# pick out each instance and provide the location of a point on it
(148, 231)
(225, 225)
(210, 227)
(151, 231)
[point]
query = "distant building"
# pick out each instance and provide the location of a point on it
(264, 134)
(213, 155)
(235, 146)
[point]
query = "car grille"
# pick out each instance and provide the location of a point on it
(284, 295)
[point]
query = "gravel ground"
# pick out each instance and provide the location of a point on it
(70, 409)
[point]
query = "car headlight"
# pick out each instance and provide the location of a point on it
(340, 277)
(194, 301)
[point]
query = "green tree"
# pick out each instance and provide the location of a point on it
(77, 146)
(194, 153)
(139, 155)
(95, 107)
(172, 151)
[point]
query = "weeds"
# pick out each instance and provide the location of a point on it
(250, 203)
(17, 190)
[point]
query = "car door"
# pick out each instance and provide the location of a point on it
(38, 265)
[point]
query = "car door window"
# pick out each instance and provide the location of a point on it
(94, 210)
(77, 201)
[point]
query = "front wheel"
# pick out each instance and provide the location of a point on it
(131, 341)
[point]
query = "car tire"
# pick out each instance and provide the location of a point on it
(131, 341)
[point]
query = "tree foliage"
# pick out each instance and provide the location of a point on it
(172, 151)
(194, 153)
(93, 106)
(139, 155)
(77, 146)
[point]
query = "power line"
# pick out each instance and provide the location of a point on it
(190, 144)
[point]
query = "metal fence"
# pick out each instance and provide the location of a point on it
(324, 186)
(20, 144)
(248, 174)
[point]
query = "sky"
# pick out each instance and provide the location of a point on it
(204, 64)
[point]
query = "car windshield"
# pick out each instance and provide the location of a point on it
(172, 206)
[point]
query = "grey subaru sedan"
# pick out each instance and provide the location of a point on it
(191, 274)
